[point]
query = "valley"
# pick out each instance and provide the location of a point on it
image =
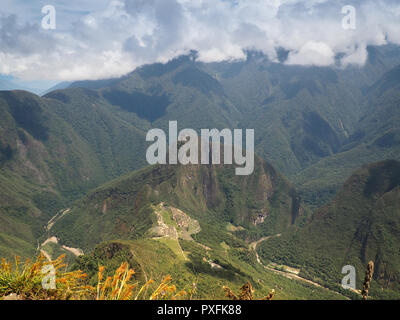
(74, 178)
(285, 271)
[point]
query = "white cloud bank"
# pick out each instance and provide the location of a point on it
(103, 39)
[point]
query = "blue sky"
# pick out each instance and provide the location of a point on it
(97, 39)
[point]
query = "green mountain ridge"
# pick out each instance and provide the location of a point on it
(316, 125)
(360, 224)
(259, 205)
(193, 222)
(376, 137)
(45, 162)
(305, 118)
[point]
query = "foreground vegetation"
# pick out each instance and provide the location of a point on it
(30, 281)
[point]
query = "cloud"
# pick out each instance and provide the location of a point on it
(108, 38)
(313, 53)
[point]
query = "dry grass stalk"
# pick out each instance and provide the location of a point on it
(25, 280)
(117, 287)
(120, 287)
(270, 295)
(166, 291)
(246, 293)
(368, 277)
(229, 294)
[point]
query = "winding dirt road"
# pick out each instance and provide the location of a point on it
(288, 275)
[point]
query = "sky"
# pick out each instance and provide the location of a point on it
(98, 39)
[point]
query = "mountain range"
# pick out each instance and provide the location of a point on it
(73, 173)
